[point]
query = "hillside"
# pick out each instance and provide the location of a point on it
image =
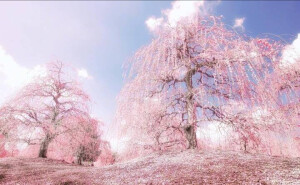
(188, 167)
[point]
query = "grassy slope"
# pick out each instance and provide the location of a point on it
(189, 167)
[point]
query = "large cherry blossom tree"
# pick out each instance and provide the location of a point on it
(197, 71)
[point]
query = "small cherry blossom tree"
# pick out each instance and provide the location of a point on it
(42, 107)
(106, 156)
(82, 144)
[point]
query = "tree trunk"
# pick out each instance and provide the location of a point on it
(80, 154)
(190, 135)
(245, 146)
(190, 128)
(44, 146)
(79, 160)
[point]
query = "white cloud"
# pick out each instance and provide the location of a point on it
(179, 10)
(291, 54)
(154, 23)
(239, 23)
(182, 9)
(83, 73)
(13, 76)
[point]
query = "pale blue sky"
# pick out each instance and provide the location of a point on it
(100, 36)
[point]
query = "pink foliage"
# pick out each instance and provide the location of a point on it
(51, 115)
(3, 152)
(106, 156)
(199, 71)
(30, 151)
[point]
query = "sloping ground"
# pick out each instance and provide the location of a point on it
(188, 167)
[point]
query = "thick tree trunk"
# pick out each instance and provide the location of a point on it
(44, 146)
(190, 135)
(190, 128)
